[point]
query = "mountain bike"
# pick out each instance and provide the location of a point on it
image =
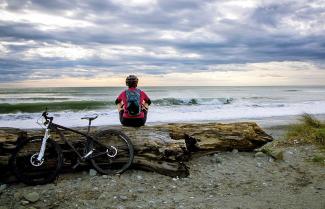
(38, 159)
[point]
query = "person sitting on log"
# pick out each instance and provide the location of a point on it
(133, 104)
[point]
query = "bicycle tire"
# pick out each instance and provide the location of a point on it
(26, 172)
(111, 165)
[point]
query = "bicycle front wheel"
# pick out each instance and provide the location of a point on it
(28, 169)
(112, 152)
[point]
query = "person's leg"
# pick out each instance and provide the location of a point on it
(122, 120)
(133, 122)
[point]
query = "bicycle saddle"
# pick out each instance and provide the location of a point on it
(90, 117)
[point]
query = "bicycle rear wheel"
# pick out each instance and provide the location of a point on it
(27, 169)
(112, 152)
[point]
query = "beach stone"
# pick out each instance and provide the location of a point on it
(24, 202)
(17, 195)
(140, 190)
(235, 151)
(218, 160)
(122, 197)
(288, 156)
(3, 187)
(32, 196)
(277, 153)
(92, 172)
(260, 154)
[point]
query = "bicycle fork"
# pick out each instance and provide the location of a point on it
(37, 158)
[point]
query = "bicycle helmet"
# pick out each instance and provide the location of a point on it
(131, 81)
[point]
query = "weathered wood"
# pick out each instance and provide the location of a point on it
(162, 148)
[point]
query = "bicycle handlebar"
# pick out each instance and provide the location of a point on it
(48, 119)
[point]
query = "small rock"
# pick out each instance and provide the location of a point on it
(139, 177)
(104, 176)
(3, 187)
(235, 151)
(17, 195)
(259, 154)
(122, 197)
(24, 202)
(288, 156)
(140, 190)
(218, 160)
(32, 196)
(277, 153)
(92, 172)
(104, 195)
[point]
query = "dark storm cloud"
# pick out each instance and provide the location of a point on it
(171, 36)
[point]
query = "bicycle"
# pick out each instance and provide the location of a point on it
(38, 159)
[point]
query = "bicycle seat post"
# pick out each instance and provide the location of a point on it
(89, 124)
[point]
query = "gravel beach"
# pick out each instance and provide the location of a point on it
(222, 180)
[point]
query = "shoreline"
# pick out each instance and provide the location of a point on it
(274, 126)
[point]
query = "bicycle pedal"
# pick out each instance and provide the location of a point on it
(76, 165)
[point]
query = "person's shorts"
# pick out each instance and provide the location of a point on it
(134, 122)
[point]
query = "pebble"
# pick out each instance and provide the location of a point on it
(104, 195)
(105, 176)
(140, 190)
(235, 151)
(24, 202)
(122, 197)
(32, 196)
(92, 172)
(218, 160)
(3, 187)
(17, 196)
(259, 154)
(139, 177)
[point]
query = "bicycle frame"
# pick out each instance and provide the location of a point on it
(57, 127)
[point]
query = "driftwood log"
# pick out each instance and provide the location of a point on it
(160, 148)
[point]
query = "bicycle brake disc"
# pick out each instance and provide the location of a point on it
(34, 161)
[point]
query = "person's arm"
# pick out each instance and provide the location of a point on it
(146, 101)
(119, 102)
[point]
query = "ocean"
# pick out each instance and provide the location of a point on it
(21, 108)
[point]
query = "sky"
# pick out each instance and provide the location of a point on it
(164, 42)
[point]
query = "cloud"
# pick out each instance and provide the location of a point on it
(156, 37)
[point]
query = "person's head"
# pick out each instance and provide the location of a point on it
(131, 81)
